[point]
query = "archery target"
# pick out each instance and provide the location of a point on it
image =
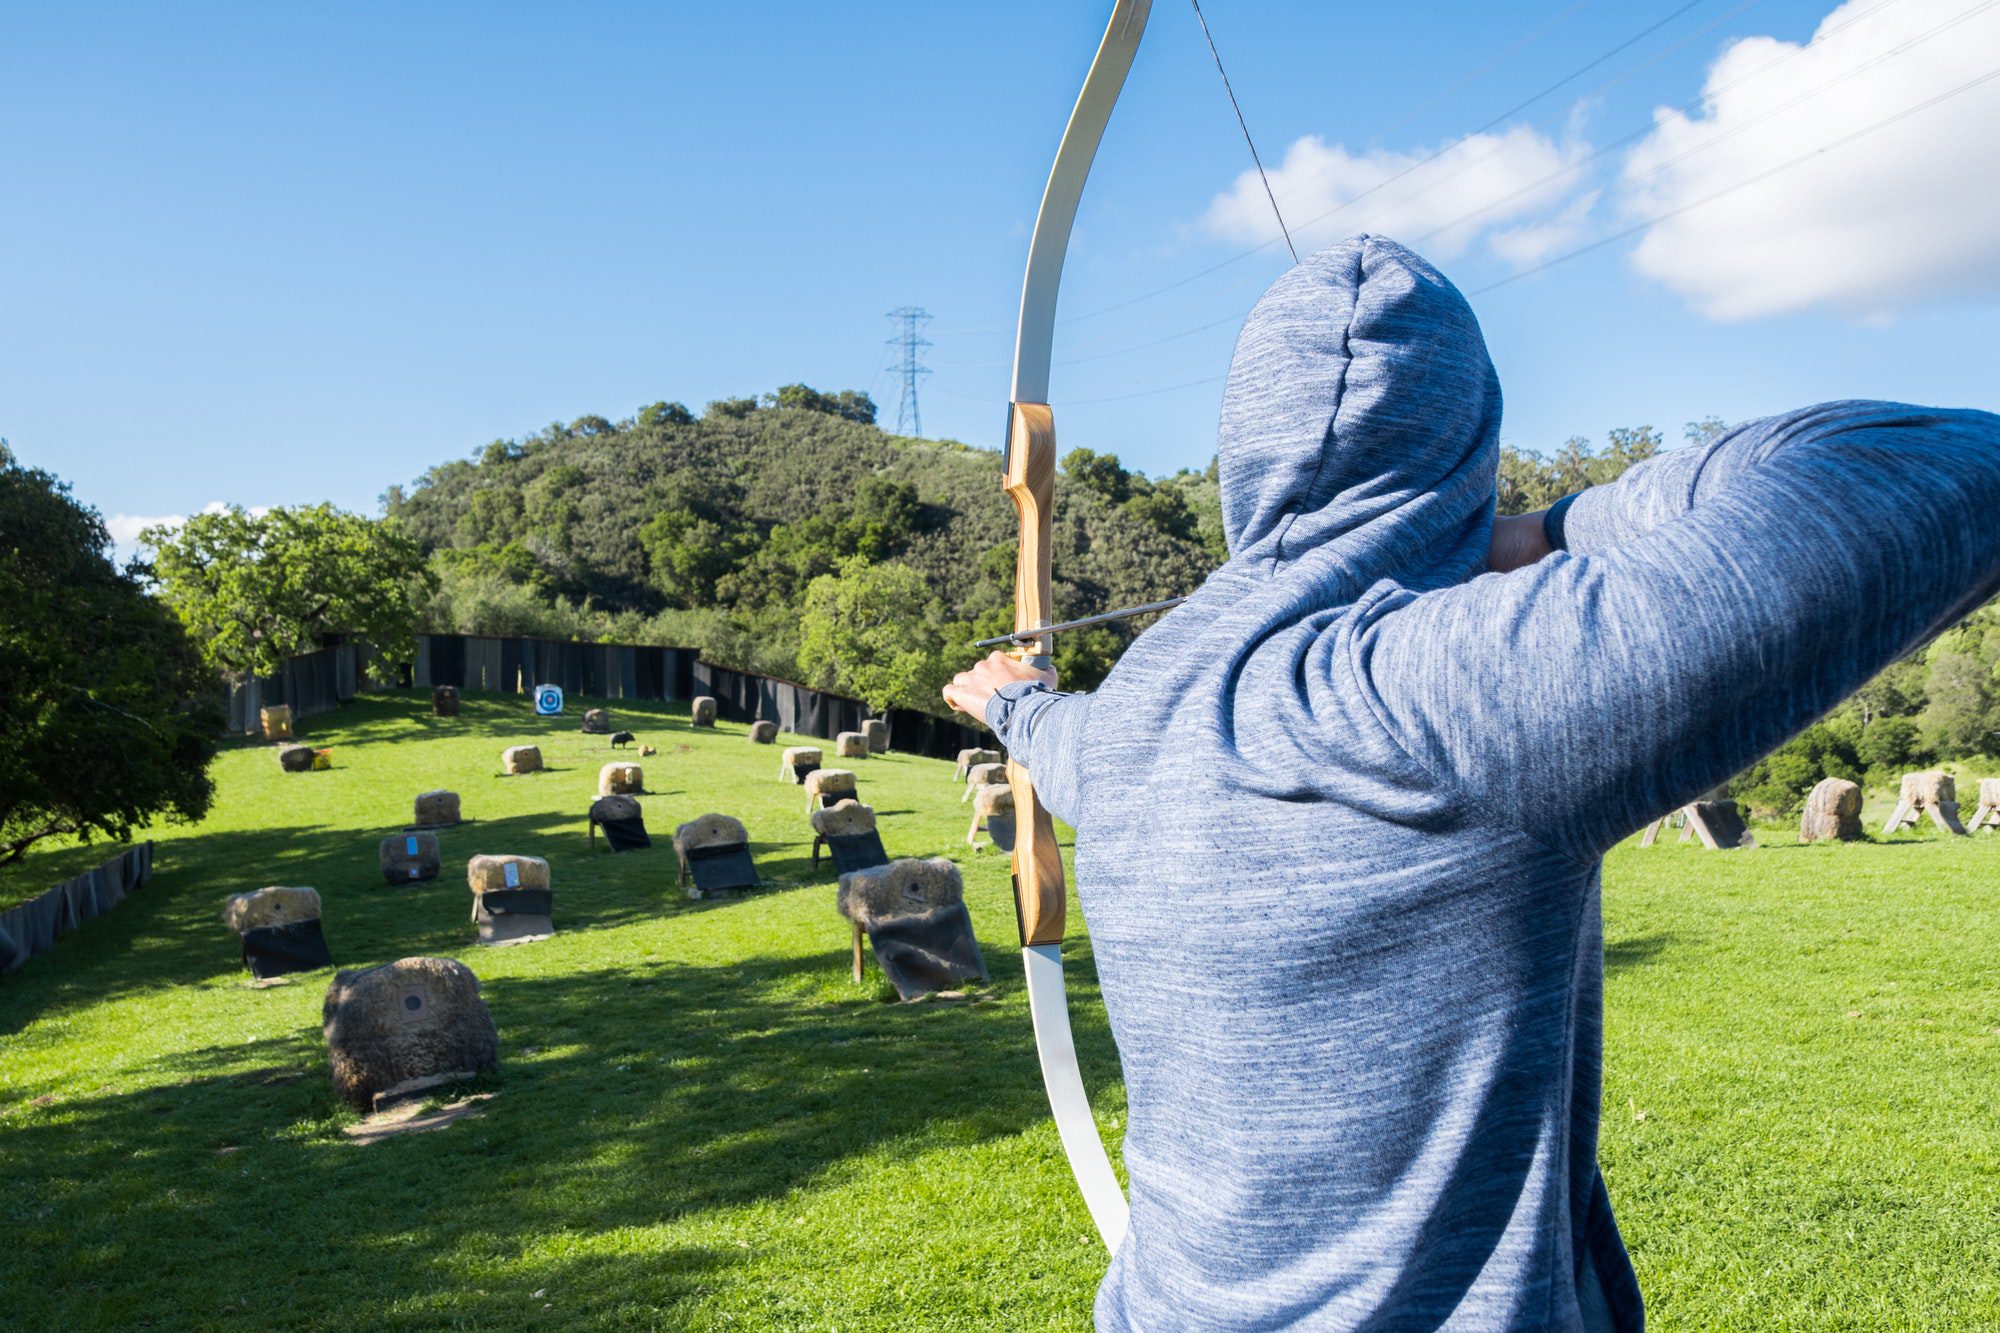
(548, 700)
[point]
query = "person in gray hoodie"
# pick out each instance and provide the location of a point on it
(1340, 818)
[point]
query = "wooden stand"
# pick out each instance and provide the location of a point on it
(1932, 794)
(1987, 816)
(1717, 823)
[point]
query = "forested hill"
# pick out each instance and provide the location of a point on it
(711, 530)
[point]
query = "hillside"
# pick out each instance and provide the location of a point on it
(710, 530)
(702, 1123)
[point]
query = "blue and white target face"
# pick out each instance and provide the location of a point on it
(548, 700)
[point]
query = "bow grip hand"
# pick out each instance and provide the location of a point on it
(970, 690)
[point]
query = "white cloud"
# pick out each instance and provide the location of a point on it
(125, 528)
(1908, 214)
(1533, 242)
(1440, 205)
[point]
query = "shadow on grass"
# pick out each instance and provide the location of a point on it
(170, 934)
(1636, 951)
(630, 1098)
(1866, 840)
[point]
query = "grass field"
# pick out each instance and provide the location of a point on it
(701, 1122)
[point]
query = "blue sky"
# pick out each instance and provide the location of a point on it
(274, 254)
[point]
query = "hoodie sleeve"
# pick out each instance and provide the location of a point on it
(1042, 730)
(1711, 604)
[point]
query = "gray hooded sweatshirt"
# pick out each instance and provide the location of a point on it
(1340, 818)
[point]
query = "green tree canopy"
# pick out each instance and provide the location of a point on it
(1778, 783)
(694, 538)
(1101, 474)
(848, 404)
(665, 414)
(1531, 481)
(873, 632)
(254, 589)
(108, 718)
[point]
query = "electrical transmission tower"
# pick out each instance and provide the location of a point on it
(909, 339)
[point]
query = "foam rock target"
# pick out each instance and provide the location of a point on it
(404, 1027)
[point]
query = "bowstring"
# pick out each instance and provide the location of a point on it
(1245, 127)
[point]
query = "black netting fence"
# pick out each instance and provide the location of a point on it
(317, 682)
(32, 927)
(311, 683)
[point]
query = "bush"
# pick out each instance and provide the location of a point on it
(1890, 747)
(1777, 784)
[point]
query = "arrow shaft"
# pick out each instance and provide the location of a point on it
(1024, 636)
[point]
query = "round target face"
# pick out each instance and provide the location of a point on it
(548, 700)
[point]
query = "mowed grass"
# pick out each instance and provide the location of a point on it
(1802, 1082)
(702, 1123)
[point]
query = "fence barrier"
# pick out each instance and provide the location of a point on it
(320, 681)
(32, 927)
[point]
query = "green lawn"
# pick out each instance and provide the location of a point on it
(702, 1123)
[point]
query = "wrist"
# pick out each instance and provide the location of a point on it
(1519, 540)
(1000, 705)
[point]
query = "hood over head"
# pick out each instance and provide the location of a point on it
(1362, 422)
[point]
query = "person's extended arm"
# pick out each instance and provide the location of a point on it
(1709, 604)
(1040, 727)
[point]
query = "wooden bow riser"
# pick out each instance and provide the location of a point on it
(1031, 483)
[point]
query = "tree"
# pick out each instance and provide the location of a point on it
(882, 516)
(731, 409)
(1890, 746)
(1960, 719)
(848, 404)
(665, 414)
(1895, 691)
(1777, 784)
(255, 589)
(1165, 510)
(1529, 481)
(1706, 431)
(872, 631)
(692, 540)
(1101, 474)
(108, 718)
(1961, 712)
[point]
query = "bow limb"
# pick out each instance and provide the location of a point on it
(1030, 474)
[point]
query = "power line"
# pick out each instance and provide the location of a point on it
(1817, 39)
(1425, 161)
(1634, 230)
(1567, 169)
(1146, 393)
(1574, 74)
(909, 421)
(1483, 70)
(1571, 76)
(1704, 145)
(1761, 176)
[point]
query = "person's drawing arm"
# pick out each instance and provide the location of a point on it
(1707, 606)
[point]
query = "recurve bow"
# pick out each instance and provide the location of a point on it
(1030, 474)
